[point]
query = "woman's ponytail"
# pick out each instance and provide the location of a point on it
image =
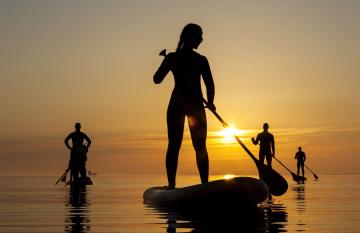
(180, 44)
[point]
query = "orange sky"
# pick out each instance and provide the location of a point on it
(292, 64)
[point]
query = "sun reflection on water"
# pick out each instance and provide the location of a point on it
(228, 176)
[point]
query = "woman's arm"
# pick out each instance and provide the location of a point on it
(162, 71)
(66, 141)
(209, 82)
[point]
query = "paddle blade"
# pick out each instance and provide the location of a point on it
(276, 183)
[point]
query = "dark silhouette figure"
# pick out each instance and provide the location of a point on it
(78, 152)
(301, 157)
(267, 145)
(188, 67)
(300, 206)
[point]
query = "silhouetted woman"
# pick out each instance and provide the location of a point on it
(188, 67)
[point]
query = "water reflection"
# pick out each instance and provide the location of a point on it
(300, 197)
(276, 216)
(300, 205)
(268, 218)
(78, 219)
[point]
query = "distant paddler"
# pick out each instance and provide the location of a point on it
(301, 157)
(78, 154)
(267, 145)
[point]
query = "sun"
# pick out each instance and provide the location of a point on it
(228, 134)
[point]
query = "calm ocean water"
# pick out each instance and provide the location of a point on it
(114, 204)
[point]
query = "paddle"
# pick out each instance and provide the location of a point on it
(294, 176)
(315, 176)
(277, 184)
(63, 176)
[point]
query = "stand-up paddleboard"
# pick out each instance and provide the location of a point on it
(81, 181)
(238, 191)
(300, 179)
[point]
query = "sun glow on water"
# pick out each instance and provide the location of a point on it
(228, 176)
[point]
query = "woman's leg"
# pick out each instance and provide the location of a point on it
(198, 130)
(175, 122)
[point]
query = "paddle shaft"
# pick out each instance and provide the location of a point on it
(316, 177)
(283, 165)
(67, 170)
